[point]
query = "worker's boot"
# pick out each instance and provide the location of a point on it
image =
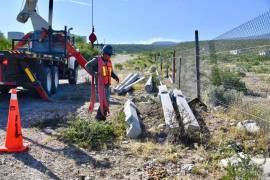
(100, 116)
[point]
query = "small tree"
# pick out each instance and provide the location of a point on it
(215, 76)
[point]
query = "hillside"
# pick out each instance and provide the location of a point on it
(164, 43)
(137, 48)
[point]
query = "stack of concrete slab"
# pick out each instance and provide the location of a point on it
(167, 106)
(191, 125)
(134, 129)
(128, 82)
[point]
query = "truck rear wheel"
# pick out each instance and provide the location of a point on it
(55, 79)
(73, 75)
(46, 79)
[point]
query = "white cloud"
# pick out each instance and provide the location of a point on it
(75, 2)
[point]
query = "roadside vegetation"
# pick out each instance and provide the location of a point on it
(91, 134)
(4, 44)
(85, 48)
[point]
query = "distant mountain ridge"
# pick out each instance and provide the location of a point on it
(164, 43)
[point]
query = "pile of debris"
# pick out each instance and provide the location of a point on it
(180, 120)
(126, 85)
(178, 115)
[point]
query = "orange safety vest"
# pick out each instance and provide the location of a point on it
(106, 71)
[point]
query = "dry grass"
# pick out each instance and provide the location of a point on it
(163, 152)
(138, 87)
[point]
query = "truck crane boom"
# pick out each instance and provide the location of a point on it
(29, 11)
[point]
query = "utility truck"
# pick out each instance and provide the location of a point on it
(40, 58)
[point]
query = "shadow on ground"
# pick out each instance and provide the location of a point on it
(67, 100)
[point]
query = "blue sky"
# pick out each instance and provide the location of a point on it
(141, 21)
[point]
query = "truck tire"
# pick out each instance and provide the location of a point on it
(46, 79)
(73, 75)
(55, 79)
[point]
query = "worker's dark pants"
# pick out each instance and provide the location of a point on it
(99, 115)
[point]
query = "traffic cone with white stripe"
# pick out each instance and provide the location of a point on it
(14, 139)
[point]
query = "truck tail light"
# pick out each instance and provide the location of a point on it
(5, 61)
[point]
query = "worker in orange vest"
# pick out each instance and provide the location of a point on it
(107, 73)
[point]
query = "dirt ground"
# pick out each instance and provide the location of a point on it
(150, 157)
(49, 158)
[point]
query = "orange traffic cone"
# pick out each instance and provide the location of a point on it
(14, 140)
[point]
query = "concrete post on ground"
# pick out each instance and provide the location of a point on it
(191, 125)
(123, 82)
(132, 79)
(167, 106)
(149, 85)
(134, 129)
(198, 77)
(128, 87)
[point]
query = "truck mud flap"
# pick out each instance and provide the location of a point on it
(36, 84)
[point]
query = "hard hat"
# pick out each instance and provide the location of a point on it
(108, 49)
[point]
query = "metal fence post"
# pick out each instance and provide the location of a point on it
(173, 75)
(161, 64)
(167, 71)
(179, 70)
(198, 78)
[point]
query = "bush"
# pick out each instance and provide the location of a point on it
(118, 66)
(4, 44)
(229, 80)
(262, 69)
(219, 96)
(232, 81)
(85, 49)
(139, 63)
(119, 124)
(243, 170)
(94, 135)
(215, 76)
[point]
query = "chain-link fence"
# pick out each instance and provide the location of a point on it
(234, 68)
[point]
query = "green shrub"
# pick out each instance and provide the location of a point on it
(119, 124)
(243, 170)
(215, 76)
(94, 134)
(4, 44)
(263, 69)
(233, 81)
(219, 96)
(85, 48)
(88, 134)
(229, 80)
(139, 63)
(118, 66)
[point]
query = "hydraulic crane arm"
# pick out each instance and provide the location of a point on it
(29, 11)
